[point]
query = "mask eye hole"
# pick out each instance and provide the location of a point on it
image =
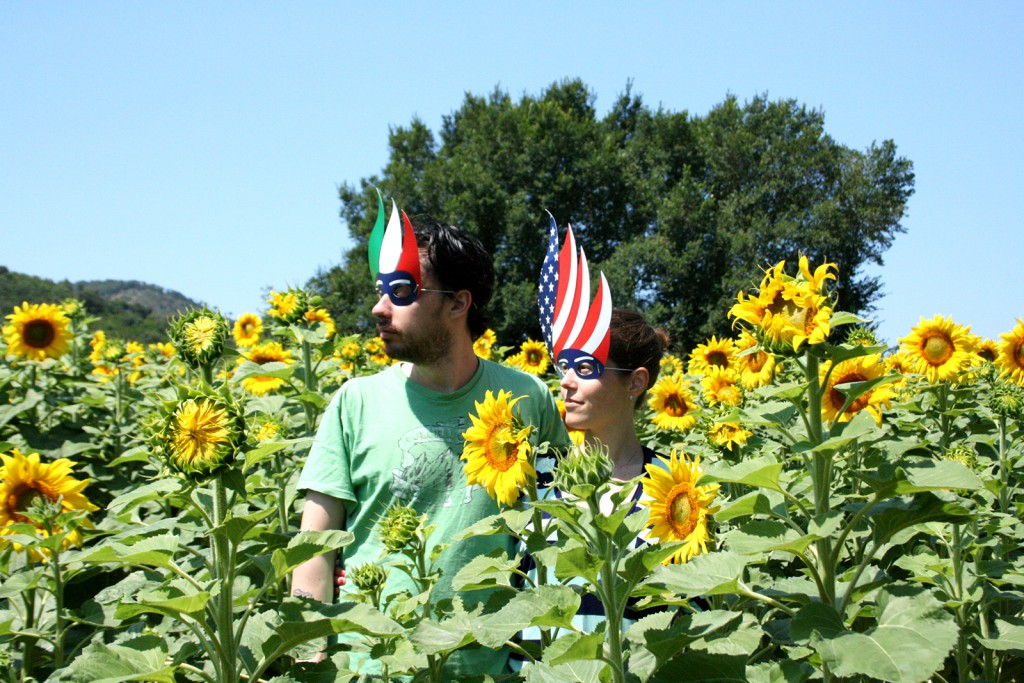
(585, 368)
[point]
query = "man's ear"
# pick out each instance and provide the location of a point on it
(461, 301)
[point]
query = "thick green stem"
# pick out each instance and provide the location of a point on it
(821, 473)
(311, 386)
(222, 562)
(609, 591)
(1004, 469)
(59, 621)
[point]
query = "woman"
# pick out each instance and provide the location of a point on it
(602, 407)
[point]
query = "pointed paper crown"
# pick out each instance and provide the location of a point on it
(393, 250)
(573, 329)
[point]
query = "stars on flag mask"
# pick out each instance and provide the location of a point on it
(394, 256)
(576, 331)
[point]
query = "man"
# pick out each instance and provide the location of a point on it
(396, 437)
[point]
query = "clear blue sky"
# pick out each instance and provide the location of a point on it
(199, 145)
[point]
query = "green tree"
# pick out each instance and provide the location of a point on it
(680, 212)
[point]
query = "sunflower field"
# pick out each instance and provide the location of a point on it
(826, 508)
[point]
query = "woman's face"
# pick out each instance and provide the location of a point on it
(594, 404)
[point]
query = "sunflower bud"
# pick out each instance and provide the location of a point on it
(583, 470)
(369, 578)
(201, 435)
(861, 336)
(289, 306)
(198, 336)
(1007, 400)
(962, 454)
(398, 527)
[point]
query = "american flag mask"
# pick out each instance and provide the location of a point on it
(576, 332)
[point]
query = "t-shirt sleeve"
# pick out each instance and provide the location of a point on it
(327, 469)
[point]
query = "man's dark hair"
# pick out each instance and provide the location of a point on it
(458, 261)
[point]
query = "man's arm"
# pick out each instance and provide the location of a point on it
(314, 578)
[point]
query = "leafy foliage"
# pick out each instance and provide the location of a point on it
(676, 209)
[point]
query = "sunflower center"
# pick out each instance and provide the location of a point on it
(936, 349)
(501, 450)
(39, 334)
(682, 510)
(838, 398)
(533, 357)
(1018, 354)
(756, 361)
(675, 405)
(718, 358)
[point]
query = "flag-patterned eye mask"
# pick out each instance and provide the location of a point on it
(577, 333)
(394, 257)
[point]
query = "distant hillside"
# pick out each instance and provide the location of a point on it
(128, 309)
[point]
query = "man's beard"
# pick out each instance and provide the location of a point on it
(422, 347)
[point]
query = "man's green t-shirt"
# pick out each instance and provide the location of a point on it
(385, 439)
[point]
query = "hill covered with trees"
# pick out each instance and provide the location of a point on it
(125, 308)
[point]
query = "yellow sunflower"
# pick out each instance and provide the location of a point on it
(859, 369)
(497, 451)
(679, 508)
(714, 353)
(350, 351)
(1011, 354)
(320, 315)
(533, 357)
(673, 404)
(940, 348)
(286, 306)
(201, 435)
(798, 315)
(163, 350)
(482, 346)
(722, 385)
(670, 366)
(728, 434)
(757, 368)
(38, 331)
(374, 346)
(247, 330)
(267, 352)
(987, 349)
(98, 342)
(24, 479)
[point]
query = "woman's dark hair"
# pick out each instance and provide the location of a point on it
(458, 261)
(635, 344)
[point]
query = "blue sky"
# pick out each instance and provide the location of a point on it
(199, 146)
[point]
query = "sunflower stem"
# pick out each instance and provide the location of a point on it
(1004, 469)
(310, 383)
(221, 546)
(821, 475)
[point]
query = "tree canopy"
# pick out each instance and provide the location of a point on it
(681, 212)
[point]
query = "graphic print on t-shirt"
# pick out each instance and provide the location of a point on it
(431, 467)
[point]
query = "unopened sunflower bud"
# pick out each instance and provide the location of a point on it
(198, 336)
(1007, 400)
(369, 578)
(583, 469)
(962, 454)
(398, 527)
(862, 336)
